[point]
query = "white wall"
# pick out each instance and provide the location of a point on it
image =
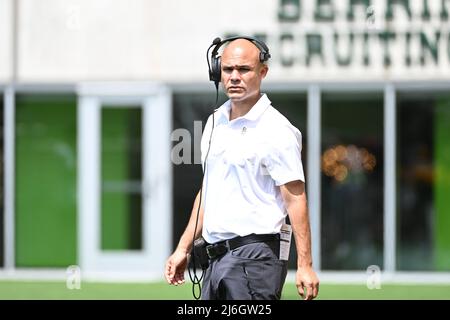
(166, 40)
(84, 39)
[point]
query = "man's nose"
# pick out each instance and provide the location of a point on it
(235, 75)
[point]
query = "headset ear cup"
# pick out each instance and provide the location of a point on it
(216, 70)
(264, 56)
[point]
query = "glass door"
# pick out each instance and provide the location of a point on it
(124, 183)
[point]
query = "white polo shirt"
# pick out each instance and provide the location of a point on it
(250, 157)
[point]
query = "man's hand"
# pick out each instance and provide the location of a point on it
(307, 280)
(175, 267)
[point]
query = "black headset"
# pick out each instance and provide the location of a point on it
(214, 68)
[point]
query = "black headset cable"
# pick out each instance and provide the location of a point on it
(196, 281)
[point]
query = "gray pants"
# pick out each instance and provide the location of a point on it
(250, 272)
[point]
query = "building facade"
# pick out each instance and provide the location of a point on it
(103, 105)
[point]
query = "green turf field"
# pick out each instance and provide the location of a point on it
(160, 290)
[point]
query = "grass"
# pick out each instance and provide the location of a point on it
(161, 291)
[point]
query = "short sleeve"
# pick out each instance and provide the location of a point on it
(284, 161)
(204, 144)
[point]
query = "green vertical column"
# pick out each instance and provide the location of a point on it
(442, 185)
(2, 187)
(45, 181)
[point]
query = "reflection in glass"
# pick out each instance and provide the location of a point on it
(352, 181)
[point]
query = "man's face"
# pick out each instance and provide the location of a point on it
(242, 71)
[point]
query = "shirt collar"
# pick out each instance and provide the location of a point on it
(253, 114)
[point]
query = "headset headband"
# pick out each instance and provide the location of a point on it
(264, 50)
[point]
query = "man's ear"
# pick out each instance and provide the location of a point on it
(263, 71)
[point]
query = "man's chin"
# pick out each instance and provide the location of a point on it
(236, 96)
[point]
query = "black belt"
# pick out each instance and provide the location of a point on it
(218, 249)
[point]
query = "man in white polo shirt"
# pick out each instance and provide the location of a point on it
(253, 179)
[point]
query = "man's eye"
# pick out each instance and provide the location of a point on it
(227, 70)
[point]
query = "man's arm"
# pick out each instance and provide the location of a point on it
(176, 264)
(294, 198)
